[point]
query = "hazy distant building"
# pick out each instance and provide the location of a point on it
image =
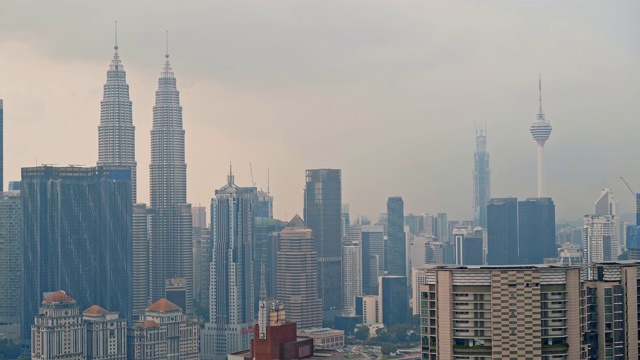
(613, 310)
(501, 312)
(297, 273)
(10, 263)
(536, 230)
(140, 248)
(265, 205)
(415, 223)
(417, 250)
(502, 231)
(468, 246)
(345, 221)
(600, 239)
(394, 301)
(175, 290)
(58, 331)
(322, 214)
(77, 236)
(481, 179)
(265, 253)
(351, 268)
(106, 334)
(201, 264)
(199, 216)
(435, 252)
(396, 261)
(163, 332)
(116, 133)
(171, 224)
(231, 291)
(372, 257)
(442, 228)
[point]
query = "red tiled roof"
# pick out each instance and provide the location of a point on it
(59, 296)
(95, 310)
(164, 305)
(147, 324)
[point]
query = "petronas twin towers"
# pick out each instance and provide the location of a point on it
(165, 248)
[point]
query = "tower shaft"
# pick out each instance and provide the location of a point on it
(540, 170)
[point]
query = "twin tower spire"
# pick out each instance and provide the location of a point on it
(116, 132)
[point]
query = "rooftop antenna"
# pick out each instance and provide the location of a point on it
(115, 47)
(540, 113)
(167, 53)
(253, 183)
(268, 192)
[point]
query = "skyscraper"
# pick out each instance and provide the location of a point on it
(116, 133)
(140, 248)
(322, 213)
(1, 145)
(231, 291)
(481, 178)
(536, 230)
(297, 273)
(10, 263)
(171, 224)
(502, 231)
(394, 300)
(540, 130)
(77, 236)
(351, 268)
(372, 257)
(265, 252)
(397, 255)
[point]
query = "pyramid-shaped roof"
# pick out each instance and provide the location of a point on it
(164, 305)
(147, 324)
(95, 310)
(296, 223)
(58, 297)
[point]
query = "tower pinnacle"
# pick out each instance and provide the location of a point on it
(540, 130)
(167, 53)
(115, 47)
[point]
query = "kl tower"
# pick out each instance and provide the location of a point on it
(540, 130)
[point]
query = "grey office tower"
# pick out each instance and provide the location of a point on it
(481, 178)
(77, 237)
(502, 231)
(322, 213)
(171, 225)
(536, 230)
(1, 145)
(397, 253)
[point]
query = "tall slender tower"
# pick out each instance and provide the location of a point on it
(171, 230)
(116, 133)
(540, 130)
(481, 178)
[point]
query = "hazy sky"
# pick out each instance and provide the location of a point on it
(387, 91)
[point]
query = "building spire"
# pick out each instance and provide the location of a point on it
(167, 53)
(230, 178)
(115, 47)
(540, 113)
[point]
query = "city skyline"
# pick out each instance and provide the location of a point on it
(507, 103)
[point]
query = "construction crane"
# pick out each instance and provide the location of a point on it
(628, 186)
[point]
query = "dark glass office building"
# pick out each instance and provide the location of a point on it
(502, 231)
(372, 258)
(322, 214)
(397, 253)
(537, 230)
(1, 146)
(395, 301)
(265, 251)
(77, 237)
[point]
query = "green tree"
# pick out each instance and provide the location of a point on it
(362, 333)
(388, 348)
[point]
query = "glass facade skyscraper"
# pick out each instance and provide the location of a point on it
(397, 248)
(502, 231)
(10, 263)
(322, 214)
(77, 237)
(1, 145)
(231, 294)
(481, 179)
(536, 230)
